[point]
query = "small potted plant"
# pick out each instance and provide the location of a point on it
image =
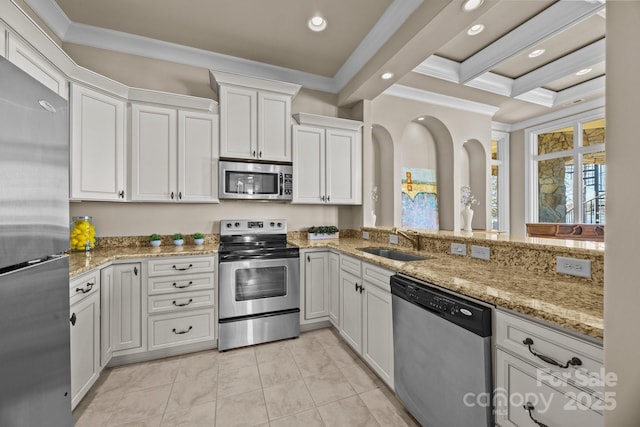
(323, 232)
(198, 238)
(155, 240)
(178, 240)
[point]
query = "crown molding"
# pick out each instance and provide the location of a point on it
(582, 90)
(566, 112)
(442, 100)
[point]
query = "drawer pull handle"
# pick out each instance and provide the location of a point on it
(182, 269)
(175, 285)
(183, 304)
(182, 332)
(86, 288)
(573, 362)
(530, 408)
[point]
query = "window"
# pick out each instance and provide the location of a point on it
(499, 192)
(567, 171)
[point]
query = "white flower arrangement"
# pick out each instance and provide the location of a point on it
(467, 199)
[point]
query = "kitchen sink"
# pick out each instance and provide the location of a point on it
(393, 254)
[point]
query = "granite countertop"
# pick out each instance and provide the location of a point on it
(566, 302)
(79, 262)
(569, 303)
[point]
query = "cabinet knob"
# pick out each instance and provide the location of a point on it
(253, 154)
(180, 195)
(260, 154)
(135, 270)
(322, 197)
(121, 194)
(308, 258)
(73, 319)
(328, 198)
(172, 195)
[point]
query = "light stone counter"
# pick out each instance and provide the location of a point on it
(569, 302)
(79, 262)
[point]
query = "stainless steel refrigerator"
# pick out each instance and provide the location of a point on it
(35, 378)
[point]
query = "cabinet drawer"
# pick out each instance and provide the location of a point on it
(377, 275)
(181, 265)
(351, 265)
(512, 332)
(84, 286)
(554, 404)
(187, 282)
(167, 330)
(180, 301)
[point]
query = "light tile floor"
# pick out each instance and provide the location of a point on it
(314, 380)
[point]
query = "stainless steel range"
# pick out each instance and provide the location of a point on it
(258, 283)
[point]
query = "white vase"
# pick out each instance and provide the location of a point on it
(467, 216)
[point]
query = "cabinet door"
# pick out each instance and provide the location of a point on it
(3, 40)
(106, 298)
(351, 310)
(308, 165)
(197, 157)
(377, 342)
(559, 404)
(316, 285)
(97, 145)
(334, 289)
(343, 167)
(126, 307)
(153, 153)
(274, 127)
(85, 346)
(238, 123)
(34, 64)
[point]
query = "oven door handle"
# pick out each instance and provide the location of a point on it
(257, 257)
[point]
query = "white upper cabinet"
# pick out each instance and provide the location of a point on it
(97, 145)
(255, 117)
(34, 64)
(327, 160)
(3, 40)
(174, 154)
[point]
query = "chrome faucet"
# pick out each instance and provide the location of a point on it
(414, 237)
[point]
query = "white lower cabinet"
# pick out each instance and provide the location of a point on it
(334, 289)
(126, 309)
(366, 321)
(531, 389)
(316, 284)
(106, 298)
(180, 301)
(84, 319)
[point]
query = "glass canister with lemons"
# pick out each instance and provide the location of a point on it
(82, 233)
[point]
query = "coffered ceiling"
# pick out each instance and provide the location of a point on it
(423, 42)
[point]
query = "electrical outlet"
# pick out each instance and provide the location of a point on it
(393, 239)
(459, 249)
(573, 266)
(482, 252)
(365, 235)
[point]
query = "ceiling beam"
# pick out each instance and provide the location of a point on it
(552, 20)
(574, 93)
(569, 64)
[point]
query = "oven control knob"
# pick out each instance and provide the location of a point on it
(237, 224)
(272, 224)
(228, 225)
(279, 224)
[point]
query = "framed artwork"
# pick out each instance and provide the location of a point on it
(419, 199)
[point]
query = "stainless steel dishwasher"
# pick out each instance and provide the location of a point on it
(442, 355)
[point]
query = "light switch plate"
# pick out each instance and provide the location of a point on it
(365, 235)
(393, 239)
(573, 266)
(459, 249)
(482, 252)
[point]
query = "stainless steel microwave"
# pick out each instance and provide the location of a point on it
(255, 181)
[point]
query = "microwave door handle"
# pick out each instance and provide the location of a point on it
(281, 182)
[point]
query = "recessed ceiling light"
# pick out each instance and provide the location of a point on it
(386, 76)
(537, 53)
(476, 29)
(317, 23)
(583, 71)
(470, 5)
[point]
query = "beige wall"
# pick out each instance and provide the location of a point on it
(449, 128)
(622, 289)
